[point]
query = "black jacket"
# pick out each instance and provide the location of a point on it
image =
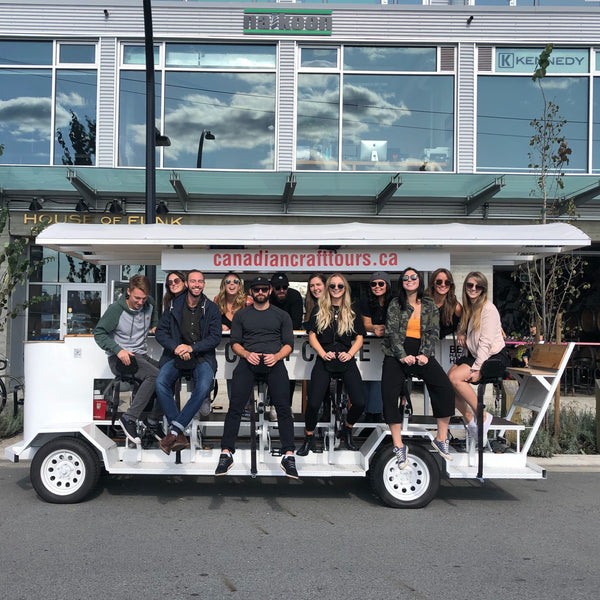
(168, 332)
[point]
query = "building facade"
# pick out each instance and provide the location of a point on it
(284, 112)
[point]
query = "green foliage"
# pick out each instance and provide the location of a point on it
(16, 267)
(576, 435)
(83, 141)
(9, 424)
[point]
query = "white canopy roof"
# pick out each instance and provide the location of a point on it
(174, 246)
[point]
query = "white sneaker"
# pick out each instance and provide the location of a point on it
(486, 425)
(472, 428)
(272, 414)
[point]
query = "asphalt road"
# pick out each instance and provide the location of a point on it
(201, 537)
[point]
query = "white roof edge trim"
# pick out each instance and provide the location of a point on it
(350, 234)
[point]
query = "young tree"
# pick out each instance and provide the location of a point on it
(553, 283)
(15, 268)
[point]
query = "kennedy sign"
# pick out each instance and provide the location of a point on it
(524, 60)
(282, 21)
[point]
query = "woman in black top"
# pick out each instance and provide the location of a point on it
(374, 313)
(441, 289)
(315, 287)
(336, 333)
(175, 285)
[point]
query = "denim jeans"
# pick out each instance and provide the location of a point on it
(203, 377)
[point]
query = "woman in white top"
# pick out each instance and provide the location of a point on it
(480, 332)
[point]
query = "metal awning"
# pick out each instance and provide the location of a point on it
(188, 246)
(448, 196)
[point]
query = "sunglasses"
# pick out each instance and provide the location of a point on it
(336, 286)
(411, 277)
(377, 284)
(281, 287)
(260, 290)
(474, 286)
(444, 282)
(174, 281)
(230, 281)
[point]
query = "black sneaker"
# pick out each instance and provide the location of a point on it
(288, 464)
(130, 428)
(225, 463)
(155, 429)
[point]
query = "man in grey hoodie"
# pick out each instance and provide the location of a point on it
(121, 332)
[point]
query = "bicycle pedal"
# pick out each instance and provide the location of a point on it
(276, 452)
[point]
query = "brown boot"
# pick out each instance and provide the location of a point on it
(166, 444)
(181, 443)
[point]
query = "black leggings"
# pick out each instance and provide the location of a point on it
(319, 382)
(438, 385)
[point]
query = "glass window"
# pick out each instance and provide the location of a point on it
(383, 58)
(132, 117)
(75, 117)
(319, 57)
(77, 53)
(318, 122)
(506, 106)
(210, 56)
(239, 110)
(64, 269)
(25, 115)
(17, 53)
(43, 322)
(128, 271)
(136, 55)
(398, 122)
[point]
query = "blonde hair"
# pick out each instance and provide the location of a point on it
(239, 301)
(472, 310)
(325, 316)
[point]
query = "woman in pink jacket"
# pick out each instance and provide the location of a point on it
(480, 332)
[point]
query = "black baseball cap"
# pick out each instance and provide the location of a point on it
(258, 281)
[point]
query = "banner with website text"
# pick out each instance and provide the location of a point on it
(267, 260)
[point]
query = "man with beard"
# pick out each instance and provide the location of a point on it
(290, 300)
(189, 330)
(262, 336)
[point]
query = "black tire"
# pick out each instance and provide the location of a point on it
(413, 487)
(65, 470)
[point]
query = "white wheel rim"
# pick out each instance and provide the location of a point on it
(63, 472)
(407, 484)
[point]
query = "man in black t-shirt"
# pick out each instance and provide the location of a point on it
(262, 336)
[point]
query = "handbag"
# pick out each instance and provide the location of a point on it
(492, 368)
(260, 368)
(185, 365)
(336, 366)
(127, 370)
